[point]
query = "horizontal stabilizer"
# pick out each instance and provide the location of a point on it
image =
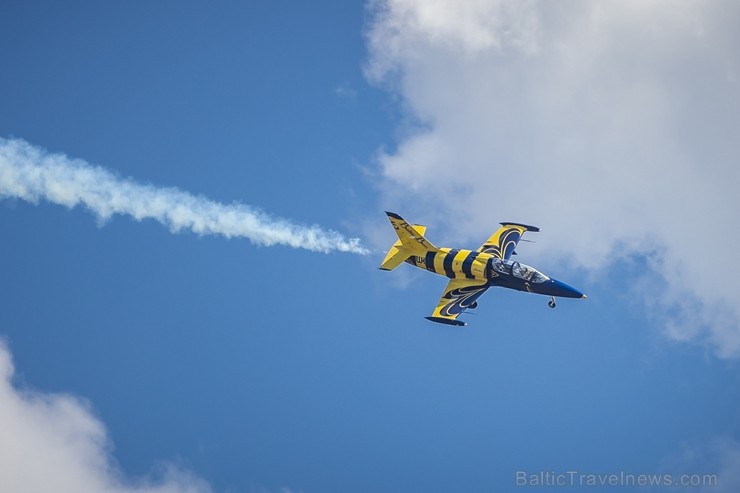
(395, 257)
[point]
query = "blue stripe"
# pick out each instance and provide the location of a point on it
(467, 265)
(507, 242)
(447, 263)
(430, 261)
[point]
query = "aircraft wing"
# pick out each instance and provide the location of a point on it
(503, 242)
(459, 295)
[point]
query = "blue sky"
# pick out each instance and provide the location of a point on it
(197, 363)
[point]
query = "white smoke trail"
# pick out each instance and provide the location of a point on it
(30, 173)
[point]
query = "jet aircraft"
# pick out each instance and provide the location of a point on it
(471, 273)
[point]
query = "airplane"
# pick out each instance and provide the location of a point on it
(471, 273)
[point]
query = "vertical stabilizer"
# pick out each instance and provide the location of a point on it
(410, 242)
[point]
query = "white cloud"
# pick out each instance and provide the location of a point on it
(718, 456)
(612, 125)
(52, 442)
(29, 173)
(728, 463)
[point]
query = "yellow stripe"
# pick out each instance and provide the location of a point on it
(457, 263)
(439, 259)
(479, 265)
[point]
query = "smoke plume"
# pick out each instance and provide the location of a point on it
(32, 174)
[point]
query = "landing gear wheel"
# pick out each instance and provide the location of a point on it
(551, 303)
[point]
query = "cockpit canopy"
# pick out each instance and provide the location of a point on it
(518, 269)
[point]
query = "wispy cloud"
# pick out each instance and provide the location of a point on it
(52, 442)
(612, 125)
(718, 456)
(32, 174)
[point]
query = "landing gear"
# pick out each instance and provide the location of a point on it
(551, 303)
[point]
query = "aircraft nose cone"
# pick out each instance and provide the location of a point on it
(562, 290)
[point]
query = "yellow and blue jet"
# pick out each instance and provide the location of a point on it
(471, 272)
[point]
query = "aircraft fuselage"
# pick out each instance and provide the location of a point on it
(468, 264)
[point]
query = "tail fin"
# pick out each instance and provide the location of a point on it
(410, 242)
